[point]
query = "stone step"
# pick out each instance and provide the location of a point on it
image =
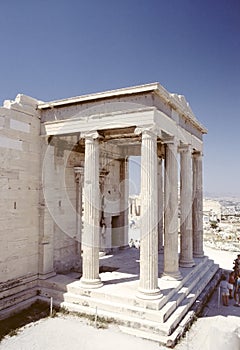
(56, 287)
(121, 306)
(122, 319)
(129, 311)
(180, 285)
(182, 301)
(173, 321)
(180, 294)
(157, 337)
(108, 305)
(58, 282)
(130, 295)
(159, 325)
(57, 295)
(138, 325)
(105, 293)
(163, 339)
(13, 303)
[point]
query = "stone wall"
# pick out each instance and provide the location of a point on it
(19, 200)
(37, 204)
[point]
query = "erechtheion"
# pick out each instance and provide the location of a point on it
(64, 199)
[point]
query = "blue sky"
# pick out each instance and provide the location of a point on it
(53, 49)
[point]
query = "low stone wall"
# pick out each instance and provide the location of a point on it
(17, 294)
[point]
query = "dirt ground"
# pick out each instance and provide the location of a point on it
(218, 329)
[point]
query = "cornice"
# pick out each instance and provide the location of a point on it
(100, 95)
(177, 102)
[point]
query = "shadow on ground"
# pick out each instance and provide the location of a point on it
(35, 312)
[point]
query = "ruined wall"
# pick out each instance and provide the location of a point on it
(19, 199)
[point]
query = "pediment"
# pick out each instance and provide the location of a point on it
(185, 105)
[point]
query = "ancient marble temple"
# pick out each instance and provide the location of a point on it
(64, 190)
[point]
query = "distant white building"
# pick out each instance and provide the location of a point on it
(211, 210)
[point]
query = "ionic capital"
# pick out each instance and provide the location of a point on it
(151, 130)
(185, 147)
(197, 154)
(171, 140)
(90, 135)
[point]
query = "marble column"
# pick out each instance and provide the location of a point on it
(90, 238)
(186, 245)
(148, 284)
(197, 210)
(79, 172)
(160, 206)
(171, 265)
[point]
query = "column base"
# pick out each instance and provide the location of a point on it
(102, 253)
(151, 294)
(186, 263)
(198, 255)
(90, 284)
(172, 276)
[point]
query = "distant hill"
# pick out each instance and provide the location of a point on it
(222, 196)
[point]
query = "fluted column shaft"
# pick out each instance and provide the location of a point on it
(160, 206)
(171, 266)
(186, 245)
(90, 237)
(148, 284)
(197, 206)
